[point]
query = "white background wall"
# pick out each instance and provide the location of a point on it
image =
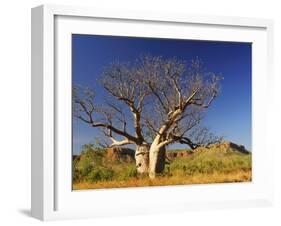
(15, 112)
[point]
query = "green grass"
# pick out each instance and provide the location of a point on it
(94, 170)
(210, 162)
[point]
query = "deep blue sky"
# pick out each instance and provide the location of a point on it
(229, 115)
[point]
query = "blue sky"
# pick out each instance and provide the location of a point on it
(229, 115)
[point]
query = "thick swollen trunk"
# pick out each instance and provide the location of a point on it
(156, 160)
(142, 158)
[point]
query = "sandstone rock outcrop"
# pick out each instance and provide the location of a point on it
(120, 154)
(225, 147)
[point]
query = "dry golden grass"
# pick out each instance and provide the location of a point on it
(216, 177)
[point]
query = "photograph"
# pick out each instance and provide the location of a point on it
(149, 111)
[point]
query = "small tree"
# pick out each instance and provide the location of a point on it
(154, 103)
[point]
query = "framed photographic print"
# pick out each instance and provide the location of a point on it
(137, 112)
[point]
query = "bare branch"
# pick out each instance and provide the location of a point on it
(84, 110)
(155, 99)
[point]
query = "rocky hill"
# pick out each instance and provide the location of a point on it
(171, 154)
(120, 154)
(224, 147)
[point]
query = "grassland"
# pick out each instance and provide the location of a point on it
(93, 170)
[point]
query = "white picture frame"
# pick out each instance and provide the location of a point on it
(52, 197)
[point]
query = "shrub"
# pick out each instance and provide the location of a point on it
(100, 174)
(127, 172)
(90, 158)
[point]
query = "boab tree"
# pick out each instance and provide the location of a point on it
(154, 102)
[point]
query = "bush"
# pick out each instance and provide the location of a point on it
(127, 172)
(90, 159)
(100, 174)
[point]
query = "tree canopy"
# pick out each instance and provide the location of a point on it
(153, 100)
